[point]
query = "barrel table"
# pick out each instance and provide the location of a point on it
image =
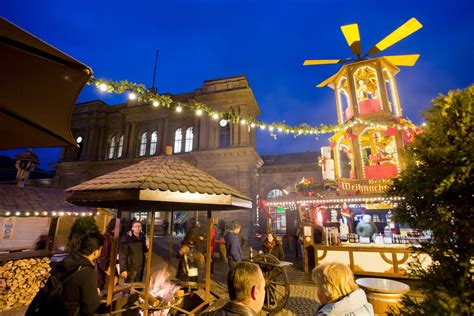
(383, 293)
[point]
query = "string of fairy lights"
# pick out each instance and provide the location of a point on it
(140, 93)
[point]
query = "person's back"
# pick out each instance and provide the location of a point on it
(247, 284)
(80, 292)
(79, 295)
(354, 304)
(338, 293)
(231, 309)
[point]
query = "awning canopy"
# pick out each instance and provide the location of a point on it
(38, 89)
(159, 183)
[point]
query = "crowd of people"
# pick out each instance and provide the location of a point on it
(84, 273)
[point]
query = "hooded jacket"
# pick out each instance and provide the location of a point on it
(354, 304)
(80, 291)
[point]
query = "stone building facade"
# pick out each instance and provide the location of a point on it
(115, 136)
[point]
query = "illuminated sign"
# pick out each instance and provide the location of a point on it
(363, 186)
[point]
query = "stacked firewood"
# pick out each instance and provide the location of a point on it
(20, 280)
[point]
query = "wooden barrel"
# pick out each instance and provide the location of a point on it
(383, 302)
(383, 294)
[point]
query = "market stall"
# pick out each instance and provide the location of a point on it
(34, 225)
(332, 231)
(163, 183)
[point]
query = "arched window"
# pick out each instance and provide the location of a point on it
(178, 139)
(111, 148)
(143, 140)
(153, 141)
(120, 147)
(274, 193)
(188, 145)
(224, 136)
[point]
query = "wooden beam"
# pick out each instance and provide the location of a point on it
(113, 259)
(148, 263)
(53, 227)
(207, 294)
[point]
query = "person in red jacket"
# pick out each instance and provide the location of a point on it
(213, 245)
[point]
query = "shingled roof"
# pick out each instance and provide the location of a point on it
(166, 180)
(35, 199)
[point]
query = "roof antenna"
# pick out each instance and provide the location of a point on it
(153, 89)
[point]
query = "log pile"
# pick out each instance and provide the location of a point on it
(20, 280)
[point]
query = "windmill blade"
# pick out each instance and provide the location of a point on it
(403, 60)
(310, 62)
(351, 33)
(327, 81)
(403, 31)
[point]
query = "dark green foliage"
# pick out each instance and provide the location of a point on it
(81, 227)
(438, 189)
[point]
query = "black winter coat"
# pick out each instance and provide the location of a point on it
(81, 290)
(132, 252)
(277, 250)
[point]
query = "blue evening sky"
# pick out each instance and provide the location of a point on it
(265, 40)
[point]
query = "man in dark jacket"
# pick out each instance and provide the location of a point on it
(232, 245)
(132, 253)
(248, 284)
(80, 291)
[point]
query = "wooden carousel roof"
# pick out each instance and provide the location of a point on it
(162, 182)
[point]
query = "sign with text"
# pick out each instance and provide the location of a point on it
(363, 186)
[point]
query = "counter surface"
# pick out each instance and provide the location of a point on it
(378, 260)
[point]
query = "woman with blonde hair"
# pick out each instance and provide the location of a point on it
(338, 293)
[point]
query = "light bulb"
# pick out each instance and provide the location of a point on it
(215, 116)
(132, 96)
(271, 128)
(198, 112)
(103, 87)
(243, 122)
(262, 127)
(223, 123)
(252, 125)
(156, 103)
(179, 109)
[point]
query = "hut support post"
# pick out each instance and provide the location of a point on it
(170, 248)
(207, 295)
(113, 259)
(53, 226)
(148, 263)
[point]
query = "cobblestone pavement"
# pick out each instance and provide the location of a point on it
(302, 299)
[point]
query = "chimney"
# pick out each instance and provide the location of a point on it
(168, 150)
